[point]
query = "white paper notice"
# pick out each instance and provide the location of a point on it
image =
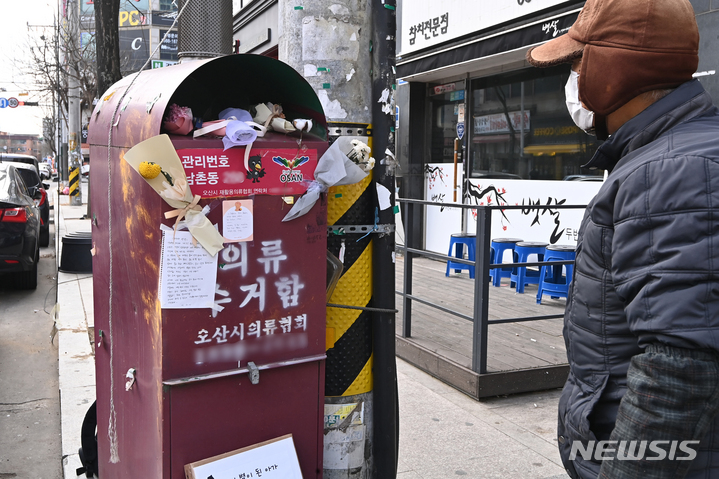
(274, 459)
(187, 273)
(237, 220)
(383, 197)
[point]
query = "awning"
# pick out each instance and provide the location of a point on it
(491, 43)
(551, 150)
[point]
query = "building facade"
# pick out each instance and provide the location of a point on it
(255, 26)
(23, 144)
(464, 85)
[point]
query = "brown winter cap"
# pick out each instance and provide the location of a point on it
(627, 47)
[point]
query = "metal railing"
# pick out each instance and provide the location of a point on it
(482, 266)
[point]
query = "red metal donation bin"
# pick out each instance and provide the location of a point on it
(179, 385)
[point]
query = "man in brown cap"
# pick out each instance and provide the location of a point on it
(642, 320)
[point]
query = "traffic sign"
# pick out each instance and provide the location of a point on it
(12, 102)
(3, 102)
(460, 130)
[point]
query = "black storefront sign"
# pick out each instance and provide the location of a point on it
(134, 49)
(554, 130)
(168, 49)
(163, 19)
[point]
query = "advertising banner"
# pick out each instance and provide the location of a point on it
(163, 19)
(134, 49)
(497, 123)
(218, 173)
(168, 49)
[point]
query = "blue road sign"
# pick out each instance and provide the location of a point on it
(3, 102)
(460, 130)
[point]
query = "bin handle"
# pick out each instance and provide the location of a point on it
(245, 370)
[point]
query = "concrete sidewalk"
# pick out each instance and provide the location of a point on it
(443, 432)
(75, 323)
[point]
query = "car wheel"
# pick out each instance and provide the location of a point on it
(28, 279)
(45, 236)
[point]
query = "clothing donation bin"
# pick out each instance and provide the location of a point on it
(199, 355)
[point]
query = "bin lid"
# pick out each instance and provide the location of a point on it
(80, 237)
(205, 86)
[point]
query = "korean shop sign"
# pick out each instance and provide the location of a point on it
(428, 23)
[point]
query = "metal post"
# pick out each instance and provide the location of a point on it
(407, 289)
(73, 102)
(333, 53)
(386, 417)
(481, 290)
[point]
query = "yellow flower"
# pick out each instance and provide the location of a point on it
(149, 170)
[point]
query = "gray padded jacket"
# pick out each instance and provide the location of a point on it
(647, 266)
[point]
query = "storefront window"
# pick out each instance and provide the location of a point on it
(447, 105)
(520, 128)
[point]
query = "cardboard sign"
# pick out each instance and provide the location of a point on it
(275, 171)
(273, 459)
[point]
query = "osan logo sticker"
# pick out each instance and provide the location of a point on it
(291, 175)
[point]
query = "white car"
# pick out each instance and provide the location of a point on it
(45, 171)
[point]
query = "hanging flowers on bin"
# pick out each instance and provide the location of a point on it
(150, 170)
(360, 154)
(173, 188)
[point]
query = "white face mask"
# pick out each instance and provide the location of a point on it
(582, 117)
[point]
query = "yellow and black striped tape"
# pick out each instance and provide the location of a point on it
(348, 369)
(74, 181)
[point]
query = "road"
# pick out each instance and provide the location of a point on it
(29, 400)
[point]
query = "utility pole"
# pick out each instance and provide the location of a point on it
(386, 440)
(73, 104)
(58, 110)
(347, 56)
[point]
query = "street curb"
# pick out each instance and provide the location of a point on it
(76, 362)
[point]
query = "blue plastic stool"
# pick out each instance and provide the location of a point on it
(522, 251)
(458, 241)
(496, 253)
(551, 280)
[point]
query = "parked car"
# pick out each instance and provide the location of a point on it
(495, 175)
(20, 158)
(38, 192)
(584, 178)
(19, 228)
(45, 171)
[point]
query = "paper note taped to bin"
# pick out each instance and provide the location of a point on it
(273, 459)
(187, 272)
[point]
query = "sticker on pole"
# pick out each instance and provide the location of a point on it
(273, 459)
(460, 130)
(12, 102)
